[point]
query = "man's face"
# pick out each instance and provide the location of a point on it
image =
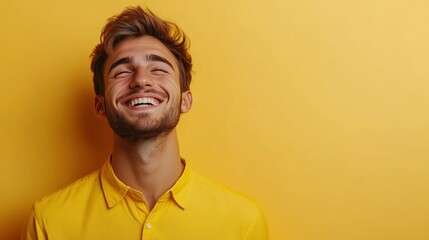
(142, 97)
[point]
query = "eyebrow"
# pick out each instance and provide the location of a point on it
(150, 57)
(157, 58)
(124, 60)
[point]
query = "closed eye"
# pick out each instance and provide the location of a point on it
(159, 71)
(122, 74)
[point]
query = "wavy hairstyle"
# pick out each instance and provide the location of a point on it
(135, 22)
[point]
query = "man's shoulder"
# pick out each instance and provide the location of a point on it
(223, 194)
(71, 194)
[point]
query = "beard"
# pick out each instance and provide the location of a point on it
(145, 127)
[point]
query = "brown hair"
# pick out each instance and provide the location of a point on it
(135, 22)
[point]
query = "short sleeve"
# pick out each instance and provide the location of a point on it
(32, 229)
(259, 229)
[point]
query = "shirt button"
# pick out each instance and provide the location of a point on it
(148, 225)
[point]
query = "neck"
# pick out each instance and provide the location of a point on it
(150, 166)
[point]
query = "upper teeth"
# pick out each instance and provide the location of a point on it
(144, 101)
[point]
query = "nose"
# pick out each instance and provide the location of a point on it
(140, 79)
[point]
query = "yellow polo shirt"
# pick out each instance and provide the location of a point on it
(101, 207)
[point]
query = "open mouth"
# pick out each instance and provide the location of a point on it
(142, 102)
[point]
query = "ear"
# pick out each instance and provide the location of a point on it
(99, 106)
(186, 103)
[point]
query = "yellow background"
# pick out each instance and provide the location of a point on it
(318, 109)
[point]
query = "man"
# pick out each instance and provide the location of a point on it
(142, 73)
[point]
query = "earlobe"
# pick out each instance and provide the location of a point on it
(99, 106)
(186, 104)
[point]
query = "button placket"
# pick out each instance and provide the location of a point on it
(150, 224)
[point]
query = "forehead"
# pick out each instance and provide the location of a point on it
(138, 48)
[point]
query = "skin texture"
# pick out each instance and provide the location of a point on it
(145, 149)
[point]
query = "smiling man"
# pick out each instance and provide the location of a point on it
(142, 74)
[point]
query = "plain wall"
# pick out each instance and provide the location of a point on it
(319, 110)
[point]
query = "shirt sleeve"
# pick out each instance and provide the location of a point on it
(259, 228)
(32, 229)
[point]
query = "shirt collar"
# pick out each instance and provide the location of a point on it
(182, 189)
(115, 190)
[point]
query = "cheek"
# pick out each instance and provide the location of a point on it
(115, 88)
(110, 98)
(174, 92)
(170, 86)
